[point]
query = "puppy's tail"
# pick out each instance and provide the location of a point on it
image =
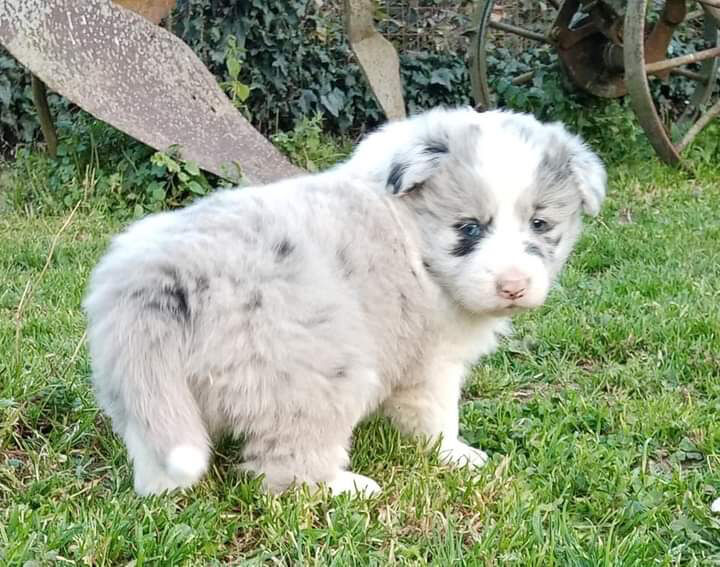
(142, 382)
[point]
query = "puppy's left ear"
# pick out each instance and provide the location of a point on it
(415, 163)
(590, 176)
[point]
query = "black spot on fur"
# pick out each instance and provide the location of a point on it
(534, 250)
(429, 268)
(464, 247)
(556, 165)
(255, 301)
(404, 306)
(178, 300)
(283, 249)
(202, 284)
(340, 372)
(168, 301)
(436, 147)
(321, 318)
(344, 263)
(257, 360)
(397, 171)
(466, 244)
(170, 298)
(552, 241)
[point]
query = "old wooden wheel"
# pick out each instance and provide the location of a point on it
(670, 132)
(611, 48)
(585, 36)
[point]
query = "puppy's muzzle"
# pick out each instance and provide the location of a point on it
(512, 285)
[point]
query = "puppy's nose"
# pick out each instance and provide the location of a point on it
(512, 285)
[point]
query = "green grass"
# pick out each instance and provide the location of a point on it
(602, 416)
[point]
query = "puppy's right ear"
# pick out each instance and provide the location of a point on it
(412, 165)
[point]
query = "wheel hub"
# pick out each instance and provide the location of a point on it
(588, 37)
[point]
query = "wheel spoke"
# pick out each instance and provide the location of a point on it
(694, 130)
(692, 75)
(519, 31)
(664, 65)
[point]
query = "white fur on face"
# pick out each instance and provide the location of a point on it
(503, 173)
(507, 169)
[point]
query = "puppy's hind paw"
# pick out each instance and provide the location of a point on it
(354, 484)
(458, 454)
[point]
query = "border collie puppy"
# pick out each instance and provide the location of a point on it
(285, 314)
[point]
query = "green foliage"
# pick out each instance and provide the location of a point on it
(309, 147)
(434, 78)
(298, 60)
(176, 181)
(96, 161)
(298, 63)
(234, 59)
(18, 122)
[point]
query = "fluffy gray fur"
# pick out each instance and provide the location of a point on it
(287, 313)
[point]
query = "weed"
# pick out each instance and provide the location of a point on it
(98, 164)
(309, 147)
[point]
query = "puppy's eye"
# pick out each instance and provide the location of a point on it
(540, 225)
(472, 230)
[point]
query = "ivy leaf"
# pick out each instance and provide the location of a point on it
(333, 101)
(441, 77)
(5, 92)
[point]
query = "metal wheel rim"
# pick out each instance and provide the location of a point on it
(709, 68)
(638, 85)
(478, 56)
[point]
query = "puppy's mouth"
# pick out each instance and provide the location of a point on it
(516, 306)
(505, 309)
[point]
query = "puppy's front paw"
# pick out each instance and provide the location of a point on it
(458, 454)
(353, 484)
(715, 507)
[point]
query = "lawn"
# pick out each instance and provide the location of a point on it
(601, 414)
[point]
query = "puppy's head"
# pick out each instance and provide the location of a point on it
(498, 199)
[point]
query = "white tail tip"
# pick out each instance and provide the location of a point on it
(186, 464)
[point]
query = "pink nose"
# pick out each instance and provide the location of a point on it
(512, 285)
